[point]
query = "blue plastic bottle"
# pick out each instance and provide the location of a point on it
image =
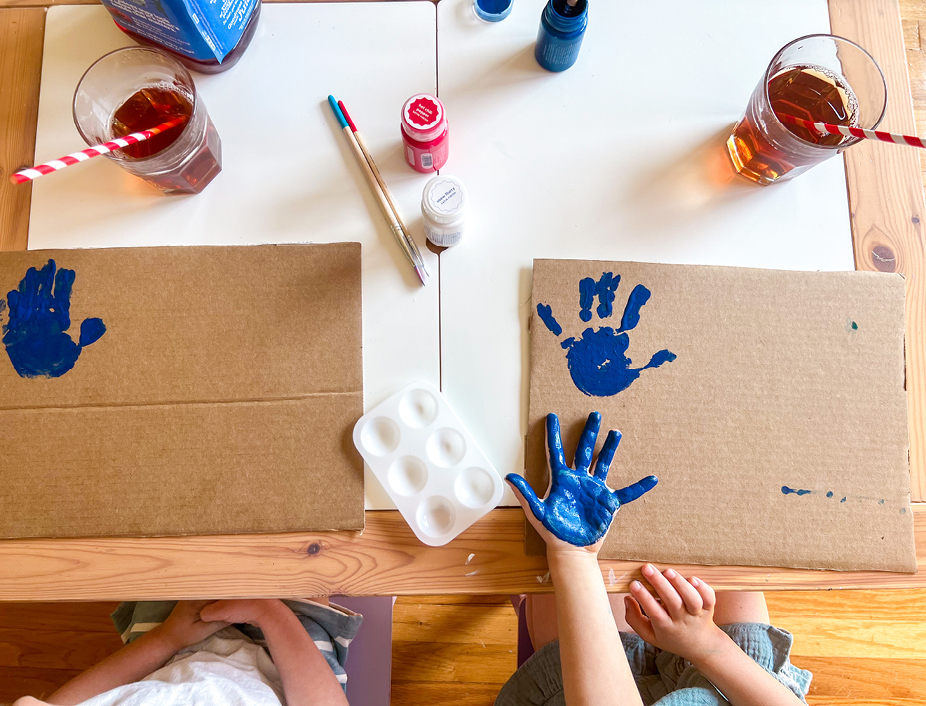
(562, 27)
(207, 36)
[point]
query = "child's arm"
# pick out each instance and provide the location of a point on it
(307, 678)
(595, 668)
(683, 624)
(140, 658)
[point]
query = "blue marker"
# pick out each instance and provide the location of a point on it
(562, 28)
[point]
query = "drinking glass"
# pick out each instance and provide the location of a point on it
(185, 165)
(809, 78)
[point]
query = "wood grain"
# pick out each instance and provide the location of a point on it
(22, 33)
(886, 200)
(386, 560)
(866, 678)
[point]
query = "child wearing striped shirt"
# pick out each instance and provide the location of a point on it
(230, 652)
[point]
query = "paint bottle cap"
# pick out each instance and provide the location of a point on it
(444, 200)
(423, 117)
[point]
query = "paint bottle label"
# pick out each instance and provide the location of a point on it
(200, 30)
(425, 133)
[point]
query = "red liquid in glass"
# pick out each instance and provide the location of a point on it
(146, 109)
(807, 92)
(152, 106)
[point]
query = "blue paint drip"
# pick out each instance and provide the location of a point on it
(829, 493)
(638, 297)
(903, 511)
(881, 502)
(605, 289)
(545, 312)
(579, 507)
(789, 491)
(587, 288)
(35, 337)
(843, 500)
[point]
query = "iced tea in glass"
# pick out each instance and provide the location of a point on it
(135, 89)
(822, 78)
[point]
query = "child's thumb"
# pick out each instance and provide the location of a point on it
(214, 611)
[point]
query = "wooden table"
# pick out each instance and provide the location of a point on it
(885, 188)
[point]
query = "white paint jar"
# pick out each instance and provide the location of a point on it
(443, 207)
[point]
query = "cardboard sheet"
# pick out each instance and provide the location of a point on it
(219, 399)
(773, 411)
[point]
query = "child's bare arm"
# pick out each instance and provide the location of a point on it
(307, 678)
(140, 658)
(683, 624)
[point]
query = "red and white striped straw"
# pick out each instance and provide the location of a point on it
(830, 129)
(25, 175)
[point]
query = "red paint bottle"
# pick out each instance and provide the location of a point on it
(425, 133)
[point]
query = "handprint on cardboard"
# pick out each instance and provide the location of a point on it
(35, 337)
(598, 360)
(579, 506)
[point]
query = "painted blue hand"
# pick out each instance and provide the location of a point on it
(598, 360)
(35, 337)
(579, 506)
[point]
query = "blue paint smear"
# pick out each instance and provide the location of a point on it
(789, 491)
(881, 502)
(598, 361)
(605, 289)
(829, 493)
(638, 297)
(903, 511)
(579, 507)
(599, 364)
(586, 298)
(843, 500)
(35, 336)
(546, 315)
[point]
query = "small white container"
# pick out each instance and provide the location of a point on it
(443, 206)
(428, 463)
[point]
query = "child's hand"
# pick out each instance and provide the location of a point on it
(184, 627)
(684, 623)
(579, 506)
(252, 611)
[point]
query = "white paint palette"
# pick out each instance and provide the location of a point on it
(428, 463)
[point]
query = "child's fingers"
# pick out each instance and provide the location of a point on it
(690, 596)
(655, 612)
(708, 598)
(670, 598)
(640, 623)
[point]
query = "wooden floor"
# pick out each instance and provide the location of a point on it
(864, 647)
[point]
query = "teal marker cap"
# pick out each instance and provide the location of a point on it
(333, 102)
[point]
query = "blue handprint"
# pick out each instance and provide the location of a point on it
(598, 361)
(579, 507)
(35, 337)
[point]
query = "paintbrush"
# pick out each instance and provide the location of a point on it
(419, 261)
(397, 230)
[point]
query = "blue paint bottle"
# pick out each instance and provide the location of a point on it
(562, 27)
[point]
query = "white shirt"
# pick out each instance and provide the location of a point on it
(219, 671)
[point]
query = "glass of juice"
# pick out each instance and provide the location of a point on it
(136, 89)
(822, 78)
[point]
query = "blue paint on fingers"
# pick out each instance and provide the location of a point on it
(35, 336)
(579, 507)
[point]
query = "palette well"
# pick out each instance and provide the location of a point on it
(428, 463)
